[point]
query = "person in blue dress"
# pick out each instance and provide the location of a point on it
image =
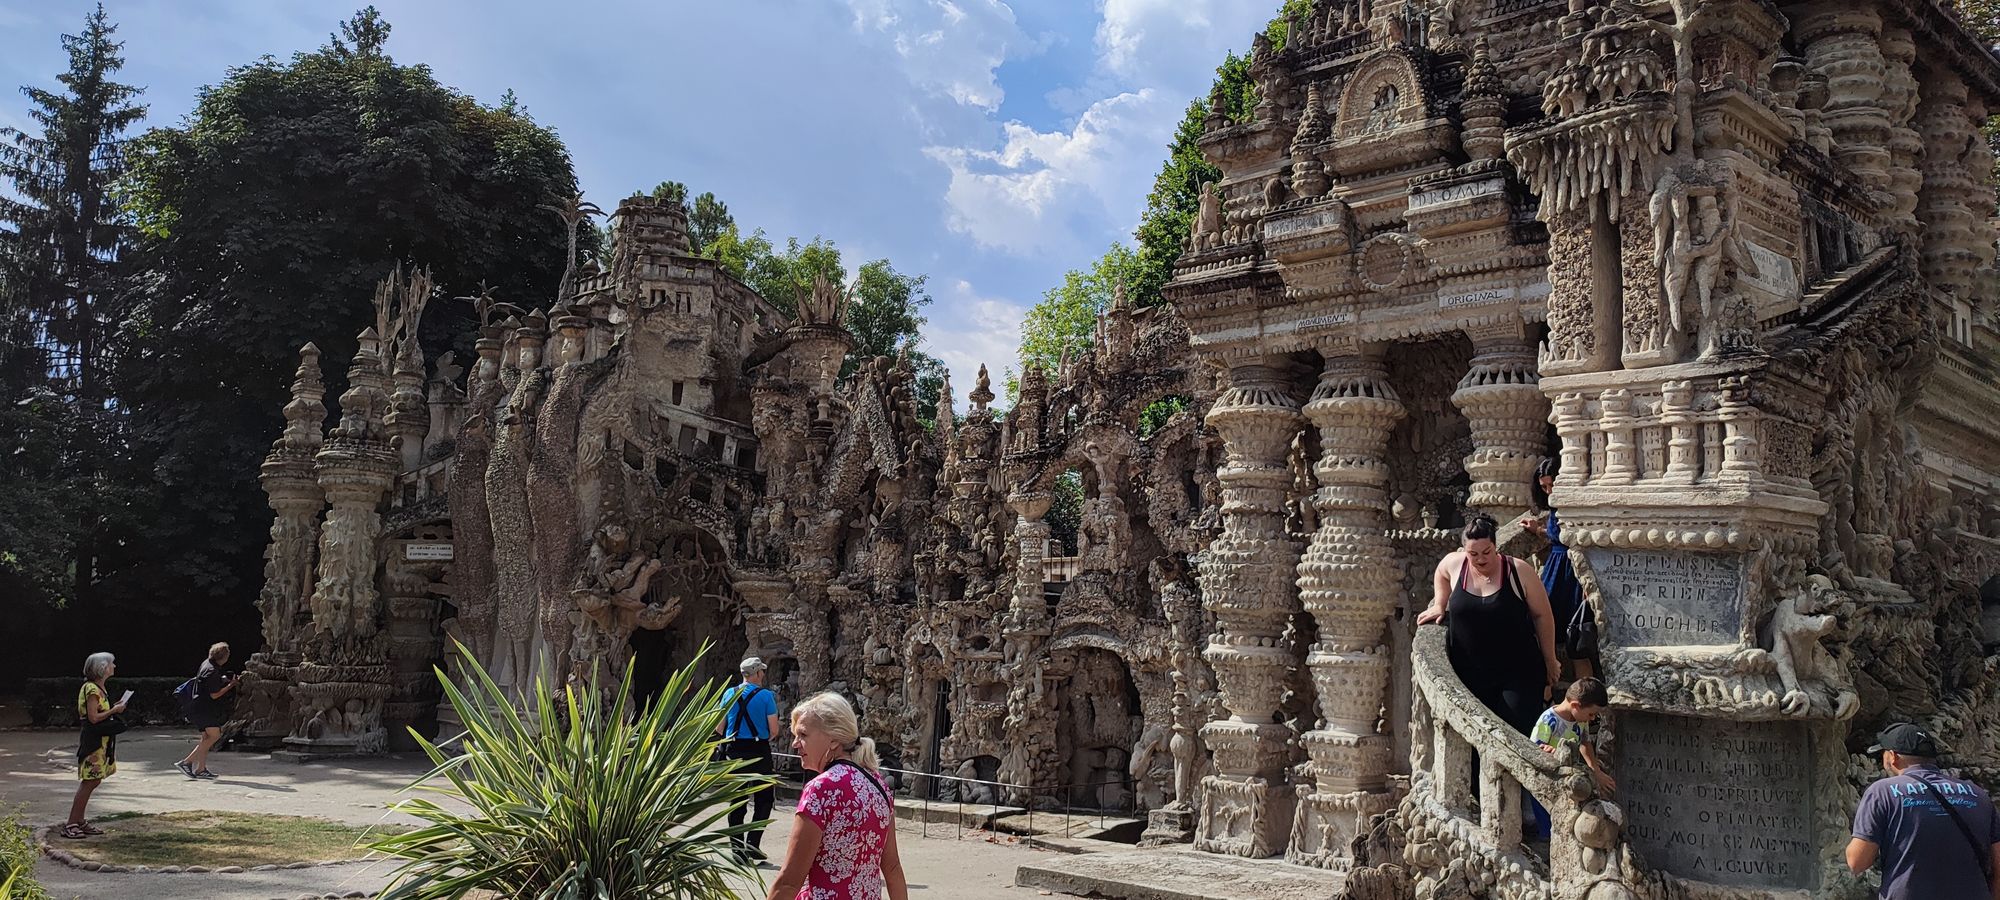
(1558, 574)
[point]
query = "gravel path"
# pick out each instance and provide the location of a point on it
(38, 776)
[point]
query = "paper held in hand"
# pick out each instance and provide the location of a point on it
(125, 699)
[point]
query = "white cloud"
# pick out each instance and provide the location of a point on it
(1048, 191)
(948, 47)
(967, 330)
(1138, 36)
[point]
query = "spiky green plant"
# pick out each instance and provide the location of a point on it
(587, 800)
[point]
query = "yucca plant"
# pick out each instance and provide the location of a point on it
(586, 800)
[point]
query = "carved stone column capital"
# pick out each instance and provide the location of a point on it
(1502, 399)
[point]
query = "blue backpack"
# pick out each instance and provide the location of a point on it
(188, 694)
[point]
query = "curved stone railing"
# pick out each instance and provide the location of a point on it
(1467, 839)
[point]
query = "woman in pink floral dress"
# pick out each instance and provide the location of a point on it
(844, 836)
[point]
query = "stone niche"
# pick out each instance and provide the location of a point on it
(1728, 803)
(1661, 599)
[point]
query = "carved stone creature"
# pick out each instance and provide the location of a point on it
(1152, 768)
(1797, 631)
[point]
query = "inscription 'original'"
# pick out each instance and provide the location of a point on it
(1716, 801)
(1655, 599)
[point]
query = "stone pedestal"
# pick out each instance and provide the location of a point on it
(1349, 581)
(1248, 581)
(1170, 824)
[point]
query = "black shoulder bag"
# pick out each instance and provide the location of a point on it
(1983, 854)
(1583, 631)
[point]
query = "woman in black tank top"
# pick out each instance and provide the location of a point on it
(1500, 632)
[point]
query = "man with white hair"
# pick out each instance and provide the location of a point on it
(749, 721)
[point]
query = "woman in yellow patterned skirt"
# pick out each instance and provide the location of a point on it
(97, 748)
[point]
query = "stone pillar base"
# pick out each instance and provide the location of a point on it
(339, 711)
(1246, 817)
(1326, 825)
(1172, 824)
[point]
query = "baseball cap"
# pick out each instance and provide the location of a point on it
(1904, 737)
(751, 665)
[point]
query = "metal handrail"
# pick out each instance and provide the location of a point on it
(1032, 791)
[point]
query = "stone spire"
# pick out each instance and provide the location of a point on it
(265, 716)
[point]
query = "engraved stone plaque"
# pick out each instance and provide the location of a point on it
(1719, 801)
(1656, 598)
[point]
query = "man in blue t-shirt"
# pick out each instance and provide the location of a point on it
(1938, 837)
(749, 720)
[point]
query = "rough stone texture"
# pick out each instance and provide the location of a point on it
(1745, 297)
(1175, 875)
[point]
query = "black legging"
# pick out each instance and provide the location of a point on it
(1518, 704)
(759, 754)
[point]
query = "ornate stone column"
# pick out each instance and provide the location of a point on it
(1349, 582)
(1502, 399)
(344, 678)
(409, 412)
(1843, 43)
(1031, 752)
(1944, 203)
(1248, 580)
(265, 716)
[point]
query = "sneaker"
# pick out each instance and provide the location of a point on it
(185, 768)
(205, 775)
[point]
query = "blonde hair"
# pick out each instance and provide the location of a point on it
(217, 652)
(830, 712)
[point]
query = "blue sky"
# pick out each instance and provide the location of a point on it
(990, 145)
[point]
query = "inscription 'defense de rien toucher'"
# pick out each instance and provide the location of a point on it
(1655, 599)
(1717, 801)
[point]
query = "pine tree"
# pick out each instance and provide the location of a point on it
(64, 228)
(61, 234)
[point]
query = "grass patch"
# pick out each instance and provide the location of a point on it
(209, 838)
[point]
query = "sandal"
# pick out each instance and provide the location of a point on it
(74, 831)
(90, 829)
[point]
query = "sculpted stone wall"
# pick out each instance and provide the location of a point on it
(1729, 262)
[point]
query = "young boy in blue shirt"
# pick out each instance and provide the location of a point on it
(1572, 722)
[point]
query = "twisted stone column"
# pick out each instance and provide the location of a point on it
(1248, 581)
(1502, 399)
(1349, 582)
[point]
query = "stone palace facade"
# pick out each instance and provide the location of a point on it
(1730, 261)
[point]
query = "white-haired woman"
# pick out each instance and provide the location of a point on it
(844, 835)
(97, 747)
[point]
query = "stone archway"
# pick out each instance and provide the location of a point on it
(693, 581)
(1098, 720)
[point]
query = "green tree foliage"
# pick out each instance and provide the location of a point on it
(784, 276)
(62, 295)
(268, 217)
(1065, 515)
(1157, 413)
(708, 220)
(1066, 317)
(886, 318)
(589, 797)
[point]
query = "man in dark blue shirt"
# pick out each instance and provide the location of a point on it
(749, 720)
(1938, 837)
